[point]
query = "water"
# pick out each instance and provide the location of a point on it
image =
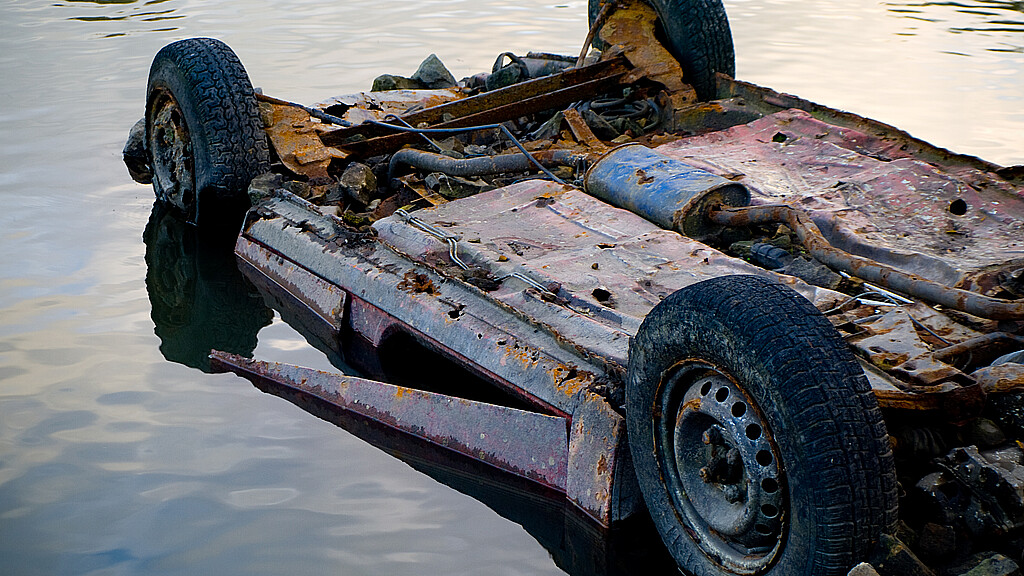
(114, 460)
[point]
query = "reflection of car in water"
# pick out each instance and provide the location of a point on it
(200, 300)
(744, 281)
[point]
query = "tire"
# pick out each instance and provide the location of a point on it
(203, 130)
(758, 443)
(697, 33)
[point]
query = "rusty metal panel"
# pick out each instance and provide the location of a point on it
(869, 197)
(295, 138)
(325, 300)
(527, 444)
(610, 265)
(555, 91)
(600, 478)
(632, 29)
(519, 353)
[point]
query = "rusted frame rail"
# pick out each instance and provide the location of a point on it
(550, 92)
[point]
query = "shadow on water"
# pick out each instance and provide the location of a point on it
(200, 300)
(577, 544)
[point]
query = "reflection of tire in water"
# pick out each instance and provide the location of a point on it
(200, 300)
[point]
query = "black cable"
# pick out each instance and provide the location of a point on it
(330, 119)
(500, 127)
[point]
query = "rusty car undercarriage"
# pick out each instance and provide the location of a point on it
(607, 257)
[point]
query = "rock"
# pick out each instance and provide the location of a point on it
(1008, 411)
(300, 189)
(894, 558)
(505, 76)
(263, 185)
(359, 183)
(392, 82)
(987, 564)
(812, 272)
(863, 569)
(454, 187)
(937, 541)
(984, 433)
(136, 156)
(433, 74)
(334, 194)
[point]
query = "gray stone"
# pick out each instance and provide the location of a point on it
(984, 433)
(812, 272)
(454, 187)
(987, 564)
(937, 540)
(863, 569)
(392, 82)
(300, 189)
(136, 156)
(433, 74)
(359, 183)
(261, 186)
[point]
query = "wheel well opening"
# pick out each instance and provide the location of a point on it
(408, 362)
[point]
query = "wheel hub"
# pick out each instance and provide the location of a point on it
(171, 146)
(722, 468)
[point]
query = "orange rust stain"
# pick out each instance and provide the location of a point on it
(602, 465)
(569, 380)
(418, 283)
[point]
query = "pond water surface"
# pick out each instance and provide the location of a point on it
(119, 457)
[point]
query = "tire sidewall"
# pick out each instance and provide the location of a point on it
(168, 77)
(681, 331)
(697, 33)
(228, 144)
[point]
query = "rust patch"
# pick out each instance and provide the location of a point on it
(632, 30)
(418, 283)
(294, 136)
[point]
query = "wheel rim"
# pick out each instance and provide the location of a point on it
(721, 467)
(171, 147)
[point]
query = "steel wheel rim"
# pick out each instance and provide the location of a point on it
(171, 146)
(721, 468)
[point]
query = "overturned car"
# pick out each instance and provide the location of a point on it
(654, 289)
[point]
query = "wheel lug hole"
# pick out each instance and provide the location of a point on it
(722, 395)
(705, 389)
(739, 409)
(769, 511)
(753, 431)
(764, 458)
(770, 485)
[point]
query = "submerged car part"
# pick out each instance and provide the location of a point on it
(536, 288)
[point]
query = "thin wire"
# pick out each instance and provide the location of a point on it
(529, 281)
(453, 243)
(859, 297)
(453, 250)
(330, 119)
(895, 300)
(424, 136)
